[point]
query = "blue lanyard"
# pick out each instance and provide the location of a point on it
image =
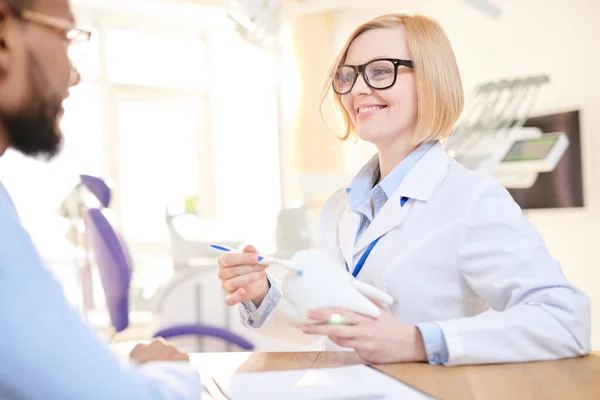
(363, 258)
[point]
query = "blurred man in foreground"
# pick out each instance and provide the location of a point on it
(46, 351)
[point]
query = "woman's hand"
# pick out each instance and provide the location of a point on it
(242, 278)
(377, 340)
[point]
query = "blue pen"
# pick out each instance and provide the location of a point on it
(289, 264)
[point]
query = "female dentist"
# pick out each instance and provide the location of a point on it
(471, 278)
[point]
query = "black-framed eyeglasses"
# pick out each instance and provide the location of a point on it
(378, 74)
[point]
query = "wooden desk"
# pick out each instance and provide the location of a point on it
(566, 379)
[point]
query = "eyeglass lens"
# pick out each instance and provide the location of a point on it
(78, 43)
(379, 74)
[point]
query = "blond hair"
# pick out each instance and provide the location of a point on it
(439, 88)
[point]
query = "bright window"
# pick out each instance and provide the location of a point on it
(158, 143)
(85, 149)
(156, 59)
(245, 136)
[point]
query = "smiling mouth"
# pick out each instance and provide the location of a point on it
(370, 109)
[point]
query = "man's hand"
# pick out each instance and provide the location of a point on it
(158, 350)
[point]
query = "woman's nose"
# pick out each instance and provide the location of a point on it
(360, 86)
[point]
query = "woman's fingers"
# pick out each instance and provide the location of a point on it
(232, 272)
(231, 285)
(234, 260)
(235, 297)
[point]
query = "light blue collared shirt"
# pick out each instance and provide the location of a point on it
(47, 352)
(362, 188)
(360, 192)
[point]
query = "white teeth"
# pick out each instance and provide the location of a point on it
(369, 109)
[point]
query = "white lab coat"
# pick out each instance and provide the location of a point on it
(459, 253)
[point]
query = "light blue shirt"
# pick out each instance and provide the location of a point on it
(360, 192)
(362, 188)
(48, 353)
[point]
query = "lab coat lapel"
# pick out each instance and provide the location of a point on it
(416, 186)
(347, 230)
(389, 217)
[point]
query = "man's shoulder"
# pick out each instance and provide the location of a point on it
(9, 219)
(6, 204)
(16, 246)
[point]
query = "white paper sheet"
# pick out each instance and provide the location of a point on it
(342, 383)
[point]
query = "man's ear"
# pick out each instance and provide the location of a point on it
(4, 42)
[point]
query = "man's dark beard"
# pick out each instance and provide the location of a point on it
(34, 130)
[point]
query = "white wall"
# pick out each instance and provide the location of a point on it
(558, 38)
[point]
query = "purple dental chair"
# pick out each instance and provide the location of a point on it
(98, 188)
(115, 268)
